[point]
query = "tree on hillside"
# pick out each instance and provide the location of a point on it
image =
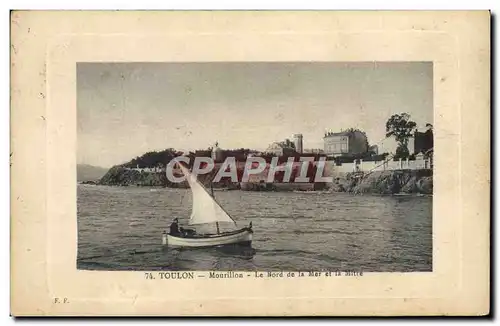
(153, 159)
(401, 128)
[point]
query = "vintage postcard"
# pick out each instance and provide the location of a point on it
(250, 163)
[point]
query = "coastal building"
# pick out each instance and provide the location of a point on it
(421, 142)
(156, 169)
(424, 141)
(280, 149)
(297, 140)
(345, 142)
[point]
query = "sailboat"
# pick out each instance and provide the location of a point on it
(206, 210)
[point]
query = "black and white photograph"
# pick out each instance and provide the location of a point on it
(234, 167)
(250, 163)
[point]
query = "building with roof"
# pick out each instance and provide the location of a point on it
(421, 142)
(345, 143)
(280, 149)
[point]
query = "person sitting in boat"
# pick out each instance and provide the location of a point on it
(187, 232)
(174, 228)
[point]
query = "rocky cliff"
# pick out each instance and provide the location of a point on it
(385, 182)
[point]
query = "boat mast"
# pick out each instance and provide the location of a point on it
(213, 196)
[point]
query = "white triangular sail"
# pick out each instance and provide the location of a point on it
(205, 208)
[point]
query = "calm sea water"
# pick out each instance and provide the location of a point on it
(119, 228)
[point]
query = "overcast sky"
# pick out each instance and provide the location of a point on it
(127, 109)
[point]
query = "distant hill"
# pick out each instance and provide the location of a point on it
(86, 172)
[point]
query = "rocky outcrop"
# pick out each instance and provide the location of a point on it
(385, 182)
(424, 185)
(120, 176)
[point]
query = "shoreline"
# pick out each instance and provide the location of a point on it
(311, 193)
(386, 182)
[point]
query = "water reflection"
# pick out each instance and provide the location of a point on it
(233, 257)
(236, 250)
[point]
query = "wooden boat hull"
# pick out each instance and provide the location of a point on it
(243, 236)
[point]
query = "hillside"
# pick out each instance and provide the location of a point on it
(86, 172)
(120, 176)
